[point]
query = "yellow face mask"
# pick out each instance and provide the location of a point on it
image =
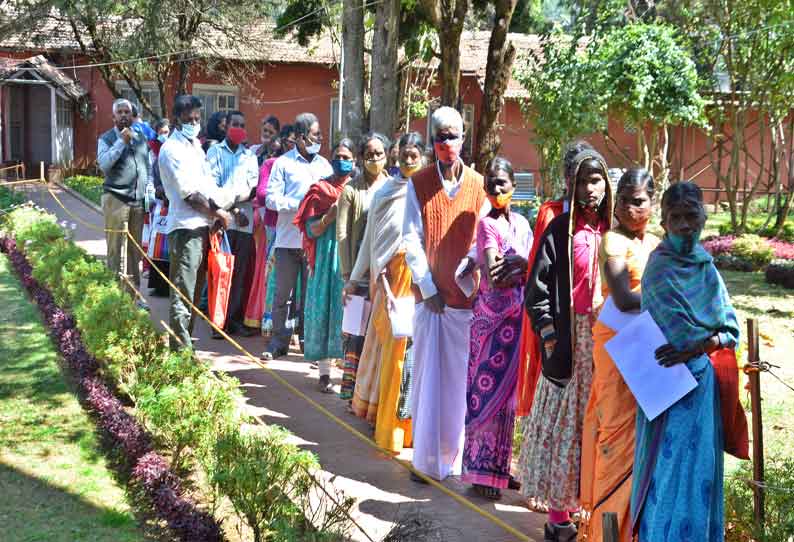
(409, 171)
(500, 201)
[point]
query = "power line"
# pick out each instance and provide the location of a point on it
(274, 30)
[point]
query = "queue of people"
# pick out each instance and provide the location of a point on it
(503, 321)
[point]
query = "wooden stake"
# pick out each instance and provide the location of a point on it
(753, 357)
(609, 524)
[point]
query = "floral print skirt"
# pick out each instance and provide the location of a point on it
(550, 458)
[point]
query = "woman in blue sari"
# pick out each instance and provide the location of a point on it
(678, 462)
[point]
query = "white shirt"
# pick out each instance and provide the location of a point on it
(414, 235)
(290, 179)
(184, 171)
(237, 173)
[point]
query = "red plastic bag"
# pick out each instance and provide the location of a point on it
(734, 420)
(219, 277)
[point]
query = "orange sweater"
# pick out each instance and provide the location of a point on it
(449, 228)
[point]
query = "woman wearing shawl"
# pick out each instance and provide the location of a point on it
(608, 434)
(530, 357)
(503, 242)
(315, 219)
(678, 462)
(264, 235)
(382, 255)
(353, 210)
(562, 293)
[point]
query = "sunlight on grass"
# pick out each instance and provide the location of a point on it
(55, 484)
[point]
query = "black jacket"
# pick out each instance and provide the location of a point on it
(548, 297)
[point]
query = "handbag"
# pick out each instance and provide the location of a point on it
(220, 266)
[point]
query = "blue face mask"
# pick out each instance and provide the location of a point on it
(162, 138)
(684, 244)
(342, 168)
(190, 131)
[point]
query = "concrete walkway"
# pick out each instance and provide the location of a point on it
(382, 488)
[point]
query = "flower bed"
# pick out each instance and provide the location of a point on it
(747, 252)
(86, 185)
(147, 473)
(163, 415)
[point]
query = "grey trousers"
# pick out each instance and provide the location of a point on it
(242, 245)
(188, 270)
(123, 257)
(290, 263)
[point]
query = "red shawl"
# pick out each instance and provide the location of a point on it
(320, 197)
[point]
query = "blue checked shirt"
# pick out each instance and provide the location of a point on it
(237, 173)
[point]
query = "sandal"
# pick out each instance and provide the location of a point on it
(488, 492)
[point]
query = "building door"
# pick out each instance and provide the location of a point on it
(15, 142)
(29, 123)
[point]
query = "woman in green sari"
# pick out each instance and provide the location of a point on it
(316, 219)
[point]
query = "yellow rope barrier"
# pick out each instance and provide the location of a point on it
(23, 181)
(295, 391)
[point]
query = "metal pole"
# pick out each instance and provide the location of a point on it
(754, 375)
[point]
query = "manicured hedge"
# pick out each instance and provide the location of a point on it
(86, 185)
(179, 407)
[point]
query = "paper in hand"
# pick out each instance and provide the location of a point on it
(655, 388)
(612, 317)
(402, 317)
(465, 283)
(356, 316)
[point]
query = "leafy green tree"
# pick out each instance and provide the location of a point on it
(562, 101)
(648, 80)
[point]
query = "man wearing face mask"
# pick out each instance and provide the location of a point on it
(234, 170)
(292, 175)
(124, 160)
(195, 204)
(443, 205)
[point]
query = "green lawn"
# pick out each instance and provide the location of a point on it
(773, 307)
(54, 485)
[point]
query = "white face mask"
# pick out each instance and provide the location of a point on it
(190, 131)
(313, 148)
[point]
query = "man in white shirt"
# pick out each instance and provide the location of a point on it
(234, 170)
(443, 205)
(292, 175)
(195, 204)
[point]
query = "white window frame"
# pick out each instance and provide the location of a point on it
(204, 90)
(148, 87)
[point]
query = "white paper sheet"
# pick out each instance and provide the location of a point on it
(465, 283)
(655, 388)
(612, 317)
(402, 317)
(356, 316)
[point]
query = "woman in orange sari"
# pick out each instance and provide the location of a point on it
(608, 435)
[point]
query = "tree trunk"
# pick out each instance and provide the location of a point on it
(184, 67)
(447, 18)
(385, 81)
(353, 121)
(501, 54)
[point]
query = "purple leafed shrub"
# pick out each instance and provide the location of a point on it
(723, 244)
(147, 472)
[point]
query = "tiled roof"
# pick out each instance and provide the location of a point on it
(262, 45)
(45, 69)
